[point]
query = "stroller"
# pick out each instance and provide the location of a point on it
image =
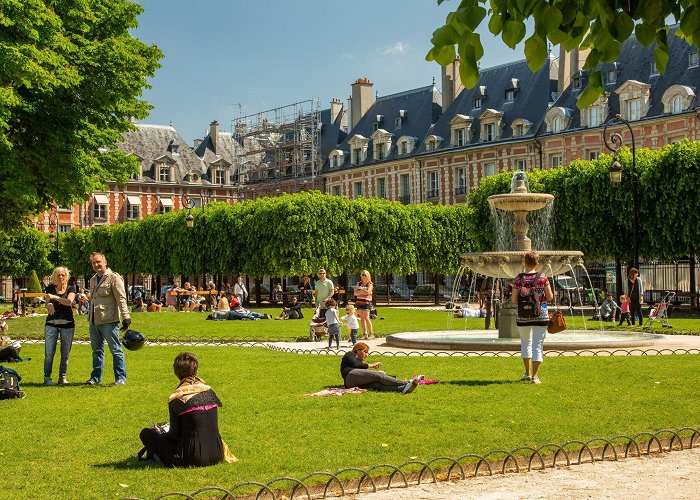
(318, 327)
(660, 312)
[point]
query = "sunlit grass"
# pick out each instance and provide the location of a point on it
(81, 442)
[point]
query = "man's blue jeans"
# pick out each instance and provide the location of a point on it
(51, 334)
(108, 332)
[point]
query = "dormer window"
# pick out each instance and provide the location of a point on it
(557, 119)
(219, 176)
(164, 173)
(476, 103)
(194, 177)
(398, 122)
(402, 117)
(592, 116)
(577, 83)
(173, 148)
(677, 98)
(520, 127)
(652, 68)
(490, 124)
(358, 149)
(375, 126)
(510, 95)
(612, 75)
(381, 140)
(432, 142)
(404, 147)
(693, 59)
(461, 126)
(634, 99)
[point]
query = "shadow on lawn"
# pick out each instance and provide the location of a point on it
(478, 383)
(130, 463)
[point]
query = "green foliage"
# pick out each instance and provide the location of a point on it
(71, 76)
(33, 284)
(596, 217)
(23, 250)
(599, 25)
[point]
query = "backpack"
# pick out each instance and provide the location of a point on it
(9, 384)
(528, 301)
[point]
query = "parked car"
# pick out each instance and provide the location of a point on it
(427, 292)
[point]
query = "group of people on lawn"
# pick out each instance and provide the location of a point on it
(192, 436)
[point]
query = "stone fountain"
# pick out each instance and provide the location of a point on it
(520, 201)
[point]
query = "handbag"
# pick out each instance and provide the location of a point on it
(557, 323)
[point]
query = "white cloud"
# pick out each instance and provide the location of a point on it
(397, 48)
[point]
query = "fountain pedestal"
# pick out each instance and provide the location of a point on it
(507, 329)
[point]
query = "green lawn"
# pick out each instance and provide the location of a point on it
(171, 325)
(81, 442)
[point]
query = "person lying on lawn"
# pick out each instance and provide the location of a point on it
(357, 373)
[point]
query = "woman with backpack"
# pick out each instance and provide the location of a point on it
(531, 291)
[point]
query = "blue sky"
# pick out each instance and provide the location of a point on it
(220, 54)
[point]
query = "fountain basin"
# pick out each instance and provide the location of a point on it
(510, 264)
(520, 202)
(488, 340)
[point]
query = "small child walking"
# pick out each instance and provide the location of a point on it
(625, 309)
(333, 322)
(351, 322)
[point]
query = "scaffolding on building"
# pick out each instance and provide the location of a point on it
(279, 146)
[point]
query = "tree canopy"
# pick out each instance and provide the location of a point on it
(70, 80)
(599, 25)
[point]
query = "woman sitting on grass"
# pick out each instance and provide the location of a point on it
(192, 439)
(357, 373)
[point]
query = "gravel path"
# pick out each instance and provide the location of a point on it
(666, 476)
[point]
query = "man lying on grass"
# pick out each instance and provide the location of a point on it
(357, 373)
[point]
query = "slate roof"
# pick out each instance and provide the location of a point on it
(532, 100)
(162, 143)
(226, 149)
(634, 63)
(422, 108)
(332, 133)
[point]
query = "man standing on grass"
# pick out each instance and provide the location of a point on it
(323, 289)
(107, 302)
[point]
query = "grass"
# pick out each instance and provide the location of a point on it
(170, 325)
(81, 442)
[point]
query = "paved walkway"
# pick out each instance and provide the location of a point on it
(665, 343)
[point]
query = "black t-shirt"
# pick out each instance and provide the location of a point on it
(63, 315)
(350, 362)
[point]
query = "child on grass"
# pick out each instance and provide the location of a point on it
(625, 308)
(333, 322)
(351, 322)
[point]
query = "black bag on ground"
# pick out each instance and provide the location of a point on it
(9, 384)
(528, 302)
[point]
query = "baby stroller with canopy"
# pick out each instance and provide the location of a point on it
(660, 312)
(318, 327)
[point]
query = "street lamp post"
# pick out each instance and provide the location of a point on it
(53, 224)
(188, 203)
(614, 143)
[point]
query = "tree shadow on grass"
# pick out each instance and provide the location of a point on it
(478, 383)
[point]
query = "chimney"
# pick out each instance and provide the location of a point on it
(569, 64)
(451, 84)
(362, 99)
(214, 135)
(336, 108)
